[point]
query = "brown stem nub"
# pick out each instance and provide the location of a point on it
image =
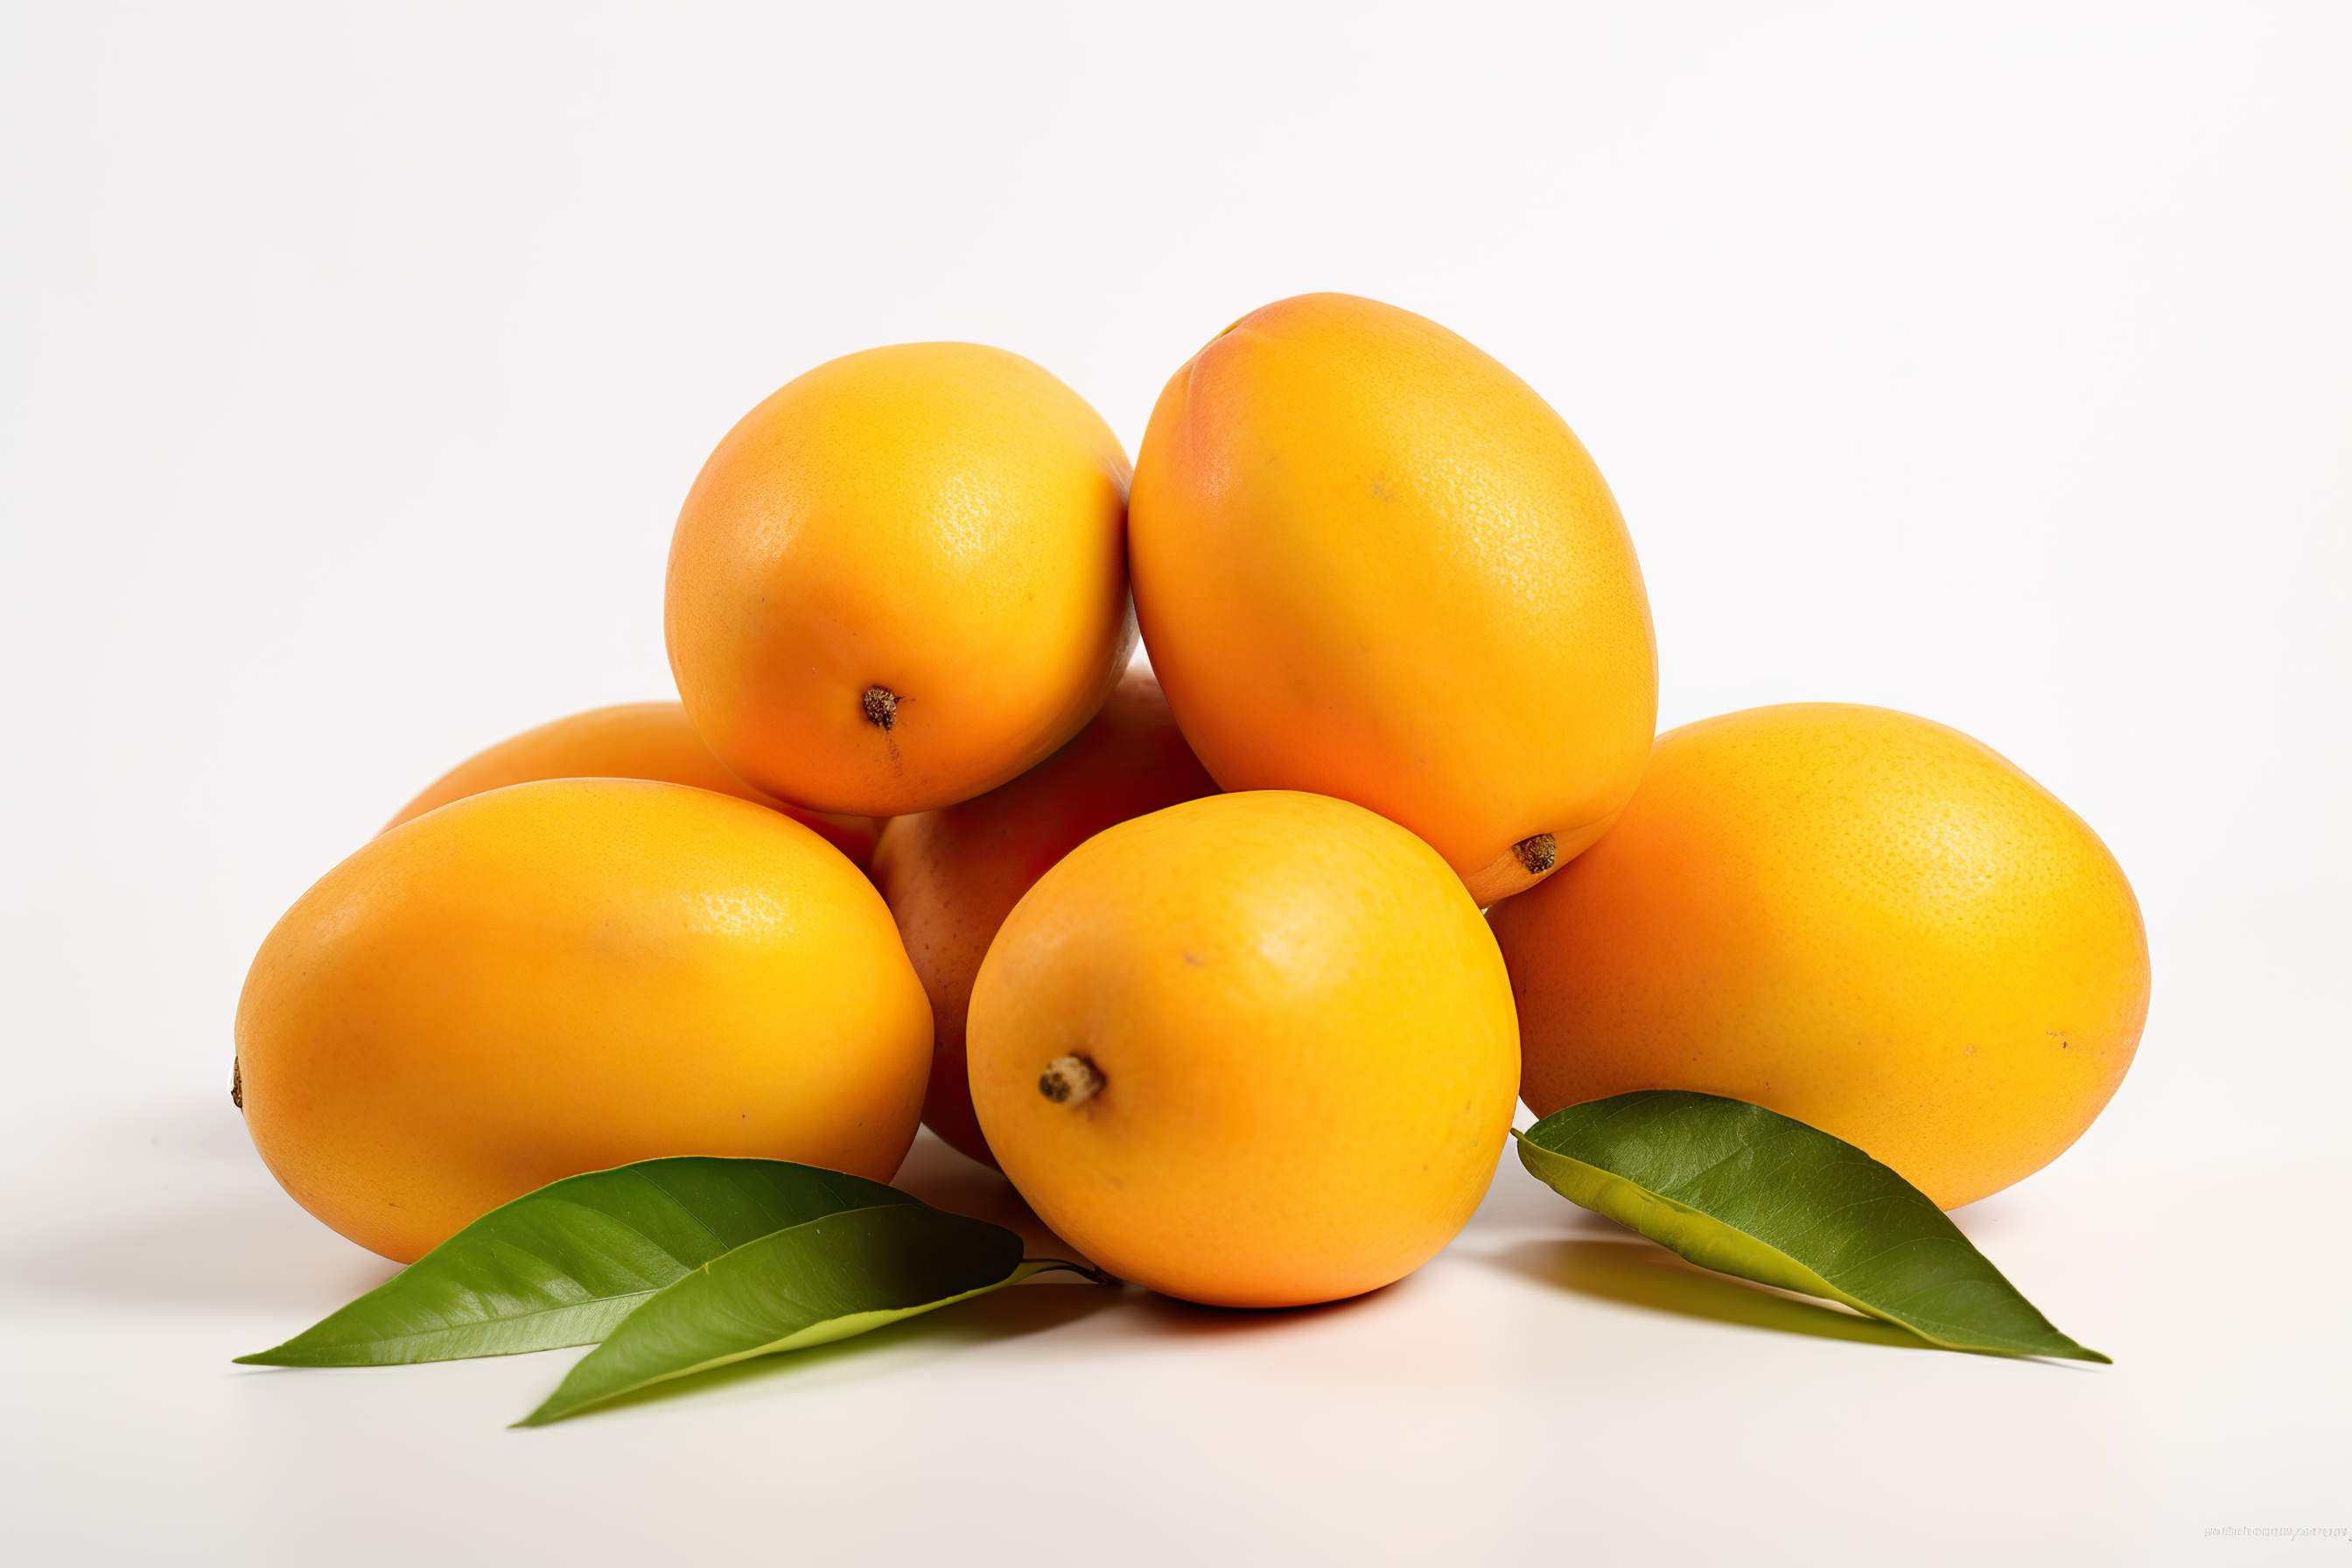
(1537, 854)
(881, 706)
(236, 1081)
(1070, 1081)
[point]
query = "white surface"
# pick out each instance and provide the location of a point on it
(1989, 365)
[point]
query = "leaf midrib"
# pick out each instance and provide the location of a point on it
(427, 1335)
(1941, 1331)
(544, 1415)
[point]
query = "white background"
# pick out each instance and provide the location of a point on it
(1988, 362)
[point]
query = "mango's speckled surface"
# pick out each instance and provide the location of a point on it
(568, 975)
(1857, 917)
(1371, 563)
(1306, 1037)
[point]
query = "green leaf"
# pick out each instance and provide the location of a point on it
(811, 1285)
(1744, 1190)
(562, 1265)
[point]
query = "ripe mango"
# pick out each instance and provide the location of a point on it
(1371, 562)
(1253, 1050)
(631, 741)
(901, 580)
(564, 976)
(1855, 917)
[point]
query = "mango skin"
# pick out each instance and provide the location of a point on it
(1857, 917)
(952, 876)
(565, 976)
(942, 522)
(1306, 1035)
(628, 741)
(1371, 562)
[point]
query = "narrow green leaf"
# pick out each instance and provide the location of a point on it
(1746, 1191)
(562, 1265)
(811, 1285)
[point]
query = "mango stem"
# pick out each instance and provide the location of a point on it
(1070, 1081)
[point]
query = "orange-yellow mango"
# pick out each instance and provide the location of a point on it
(1253, 1050)
(902, 579)
(1859, 919)
(1370, 562)
(565, 976)
(630, 741)
(952, 876)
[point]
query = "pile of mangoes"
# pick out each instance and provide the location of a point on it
(1235, 965)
